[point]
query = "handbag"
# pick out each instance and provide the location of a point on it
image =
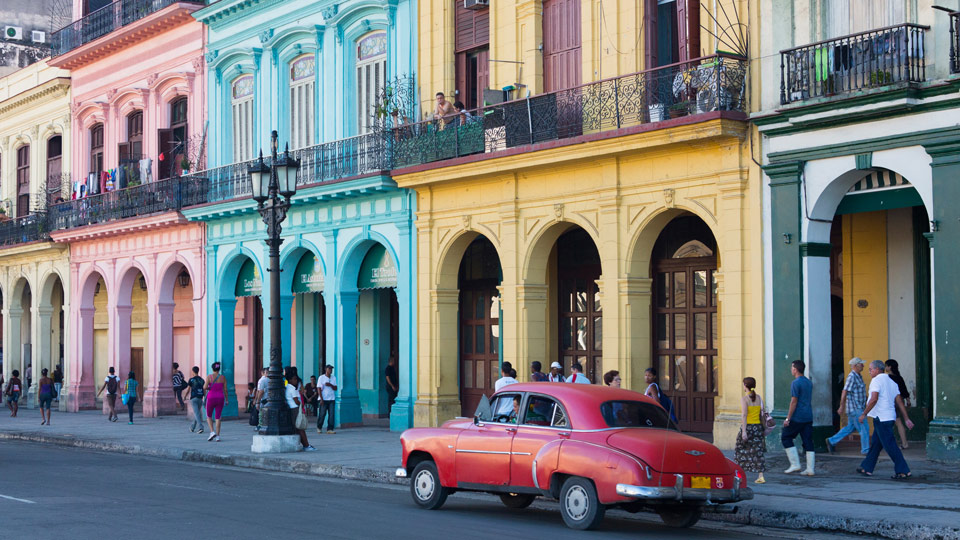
(125, 398)
(301, 422)
(768, 422)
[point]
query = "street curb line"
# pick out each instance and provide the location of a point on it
(747, 513)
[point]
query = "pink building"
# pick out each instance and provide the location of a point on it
(137, 299)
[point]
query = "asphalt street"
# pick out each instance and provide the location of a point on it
(53, 492)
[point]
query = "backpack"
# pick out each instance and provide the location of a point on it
(666, 403)
(113, 384)
(177, 380)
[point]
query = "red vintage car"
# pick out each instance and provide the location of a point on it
(590, 447)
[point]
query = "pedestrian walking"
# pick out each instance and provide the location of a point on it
(751, 444)
(249, 399)
(393, 382)
(132, 392)
(179, 385)
(555, 375)
(853, 399)
(892, 369)
(261, 397)
(12, 393)
(535, 374)
(196, 385)
(58, 382)
(45, 396)
(612, 379)
(882, 406)
(799, 420)
(653, 391)
(296, 404)
(328, 399)
(112, 385)
(216, 390)
(29, 376)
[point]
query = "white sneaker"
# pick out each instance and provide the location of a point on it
(210, 438)
(218, 438)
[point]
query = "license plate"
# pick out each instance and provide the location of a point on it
(700, 482)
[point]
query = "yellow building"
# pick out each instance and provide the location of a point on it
(34, 272)
(603, 209)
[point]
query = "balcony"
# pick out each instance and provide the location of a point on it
(103, 21)
(853, 63)
(613, 106)
(21, 230)
(140, 200)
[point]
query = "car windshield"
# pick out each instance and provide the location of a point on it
(635, 414)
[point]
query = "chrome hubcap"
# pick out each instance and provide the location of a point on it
(576, 503)
(424, 485)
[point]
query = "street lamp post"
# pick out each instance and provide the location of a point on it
(273, 187)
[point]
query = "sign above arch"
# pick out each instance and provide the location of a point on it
(248, 281)
(377, 270)
(308, 276)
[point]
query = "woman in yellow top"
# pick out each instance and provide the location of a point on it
(750, 441)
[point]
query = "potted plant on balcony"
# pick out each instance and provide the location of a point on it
(3, 214)
(880, 78)
(185, 166)
(680, 108)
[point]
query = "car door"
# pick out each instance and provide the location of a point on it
(543, 420)
(483, 450)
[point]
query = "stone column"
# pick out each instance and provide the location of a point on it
(82, 384)
(532, 312)
(13, 356)
(634, 295)
(158, 398)
(225, 333)
(439, 398)
(401, 414)
(286, 308)
(787, 279)
(943, 437)
(41, 341)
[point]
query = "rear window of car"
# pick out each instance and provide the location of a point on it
(635, 414)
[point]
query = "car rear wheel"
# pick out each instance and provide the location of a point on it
(517, 501)
(680, 516)
(425, 486)
(579, 505)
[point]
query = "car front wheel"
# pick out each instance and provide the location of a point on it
(517, 501)
(680, 516)
(579, 505)
(425, 486)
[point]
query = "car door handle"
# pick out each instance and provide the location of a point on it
(511, 430)
(564, 434)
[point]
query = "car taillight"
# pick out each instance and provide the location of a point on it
(739, 474)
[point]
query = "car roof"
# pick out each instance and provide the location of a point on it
(582, 401)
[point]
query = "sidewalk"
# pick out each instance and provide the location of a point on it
(837, 499)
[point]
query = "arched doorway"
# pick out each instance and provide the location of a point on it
(879, 289)
(378, 331)
(177, 310)
(579, 313)
(685, 331)
(21, 332)
(242, 328)
(308, 335)
(132, 334)
(93, 337)
(50, 317)
(480, 313)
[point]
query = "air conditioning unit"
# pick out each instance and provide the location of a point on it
(12, 32)
(38, 36)
(476, 4)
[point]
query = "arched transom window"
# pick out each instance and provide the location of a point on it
(302, 72)
(371, 75)
(242, 109)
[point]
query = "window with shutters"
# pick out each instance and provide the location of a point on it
(371, 75)
(673, 31)
(134, 135)
(23, 181)
(242, 117)
(302, 72)
(96, 148)
(561, 44)
(472, 50)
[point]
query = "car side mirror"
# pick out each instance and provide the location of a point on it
(476, 420)
(483, 412)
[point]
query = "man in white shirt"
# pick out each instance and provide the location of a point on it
(506, 377)
(260, 397)
(577, 375)
(328, 399)
(882, 406)
(555, 375)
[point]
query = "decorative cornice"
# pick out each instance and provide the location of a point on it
(55, 89)
(225, 12)
(114, 228)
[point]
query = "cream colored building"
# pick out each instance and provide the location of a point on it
(34, 272)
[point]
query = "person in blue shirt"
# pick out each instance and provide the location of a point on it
(799, 420)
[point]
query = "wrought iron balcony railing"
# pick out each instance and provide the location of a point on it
(105, 20)
(343, 158)
(141, 200)
(955, 42)
(712, 83)
(29, 228)
(877, 58)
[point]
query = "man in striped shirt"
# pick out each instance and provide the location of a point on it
(852, 401)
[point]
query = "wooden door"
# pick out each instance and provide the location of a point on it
(561, 44)
(136, 364)
(686, 336)
(257, 334)
(581, 320)
(479, 344)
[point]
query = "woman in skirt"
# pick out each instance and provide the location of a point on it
(750, 441)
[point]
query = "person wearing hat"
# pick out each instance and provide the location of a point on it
(853, 399)
(555, 375)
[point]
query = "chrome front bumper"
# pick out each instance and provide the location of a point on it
(680, 493)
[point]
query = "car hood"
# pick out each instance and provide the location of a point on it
(671, 451)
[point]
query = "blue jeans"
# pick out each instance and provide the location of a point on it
(854, 424)
(883, 438)
(804, 429)
(326, 409)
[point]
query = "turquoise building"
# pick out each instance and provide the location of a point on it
(324, 75)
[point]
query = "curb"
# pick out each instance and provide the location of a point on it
(747, 514)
